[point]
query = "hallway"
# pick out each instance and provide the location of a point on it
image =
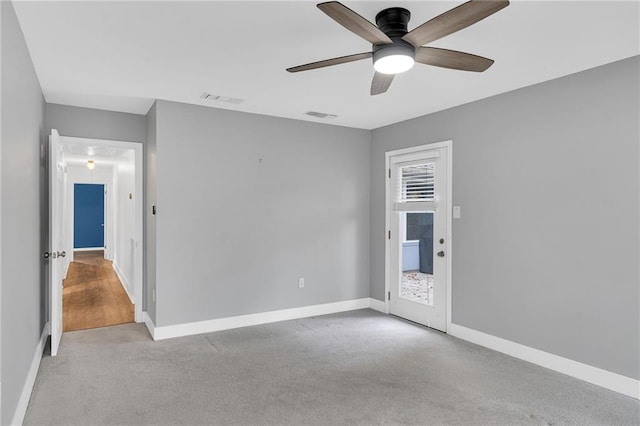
(93, 295)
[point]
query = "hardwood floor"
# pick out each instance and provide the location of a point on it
(93, 295)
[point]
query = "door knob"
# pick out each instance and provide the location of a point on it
(441, 253)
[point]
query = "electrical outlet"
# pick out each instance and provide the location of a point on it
(300, 282)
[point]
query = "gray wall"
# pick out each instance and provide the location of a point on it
(150, 219)
(249, 203)
(546, 251)
(96, 123)
(22, 316)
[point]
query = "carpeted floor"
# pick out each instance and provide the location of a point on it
(359, 367)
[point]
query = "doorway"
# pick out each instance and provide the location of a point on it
(418, 249)
(96, 218)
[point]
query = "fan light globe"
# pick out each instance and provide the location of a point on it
(393, 64)
(393, 58)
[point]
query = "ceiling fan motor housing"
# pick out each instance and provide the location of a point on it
(399, 47)
(393, 22)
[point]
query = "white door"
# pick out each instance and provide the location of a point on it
(57, 254)
(418, 237)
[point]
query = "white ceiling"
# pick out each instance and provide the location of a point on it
(98, 150)
(103, 155)
(121, 55)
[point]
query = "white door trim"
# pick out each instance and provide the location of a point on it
(139, 224)
(448, 145)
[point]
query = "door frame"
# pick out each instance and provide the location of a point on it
(137, 147)
(448, 145)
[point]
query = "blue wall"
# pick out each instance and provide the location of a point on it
(88, 215)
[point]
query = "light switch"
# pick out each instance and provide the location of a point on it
(456, 212)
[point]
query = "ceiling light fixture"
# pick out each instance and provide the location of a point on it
(395, 49)
(91, 165)
(393, 58)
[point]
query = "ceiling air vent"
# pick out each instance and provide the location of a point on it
(320, 115)
(227, 99)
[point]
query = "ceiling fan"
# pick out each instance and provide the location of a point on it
(395, 49)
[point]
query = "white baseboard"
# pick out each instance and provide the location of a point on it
(597, 376)
(25, 396)
(67, 263)
(187, 329)
(88, 249)
(149, 323)
(123, 281)
(378, 305)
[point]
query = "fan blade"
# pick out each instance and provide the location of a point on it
(454, 20)
(354, 22)
(452, 59)
(381, 83)
(329, 62)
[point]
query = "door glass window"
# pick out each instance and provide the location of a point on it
(416, 183)
(416, 254)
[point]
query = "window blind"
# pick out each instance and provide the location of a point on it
(416, 183)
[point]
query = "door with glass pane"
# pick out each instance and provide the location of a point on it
(418, 216)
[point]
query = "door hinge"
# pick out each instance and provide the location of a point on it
(389, 295)
(389, 173)
(389, 234)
